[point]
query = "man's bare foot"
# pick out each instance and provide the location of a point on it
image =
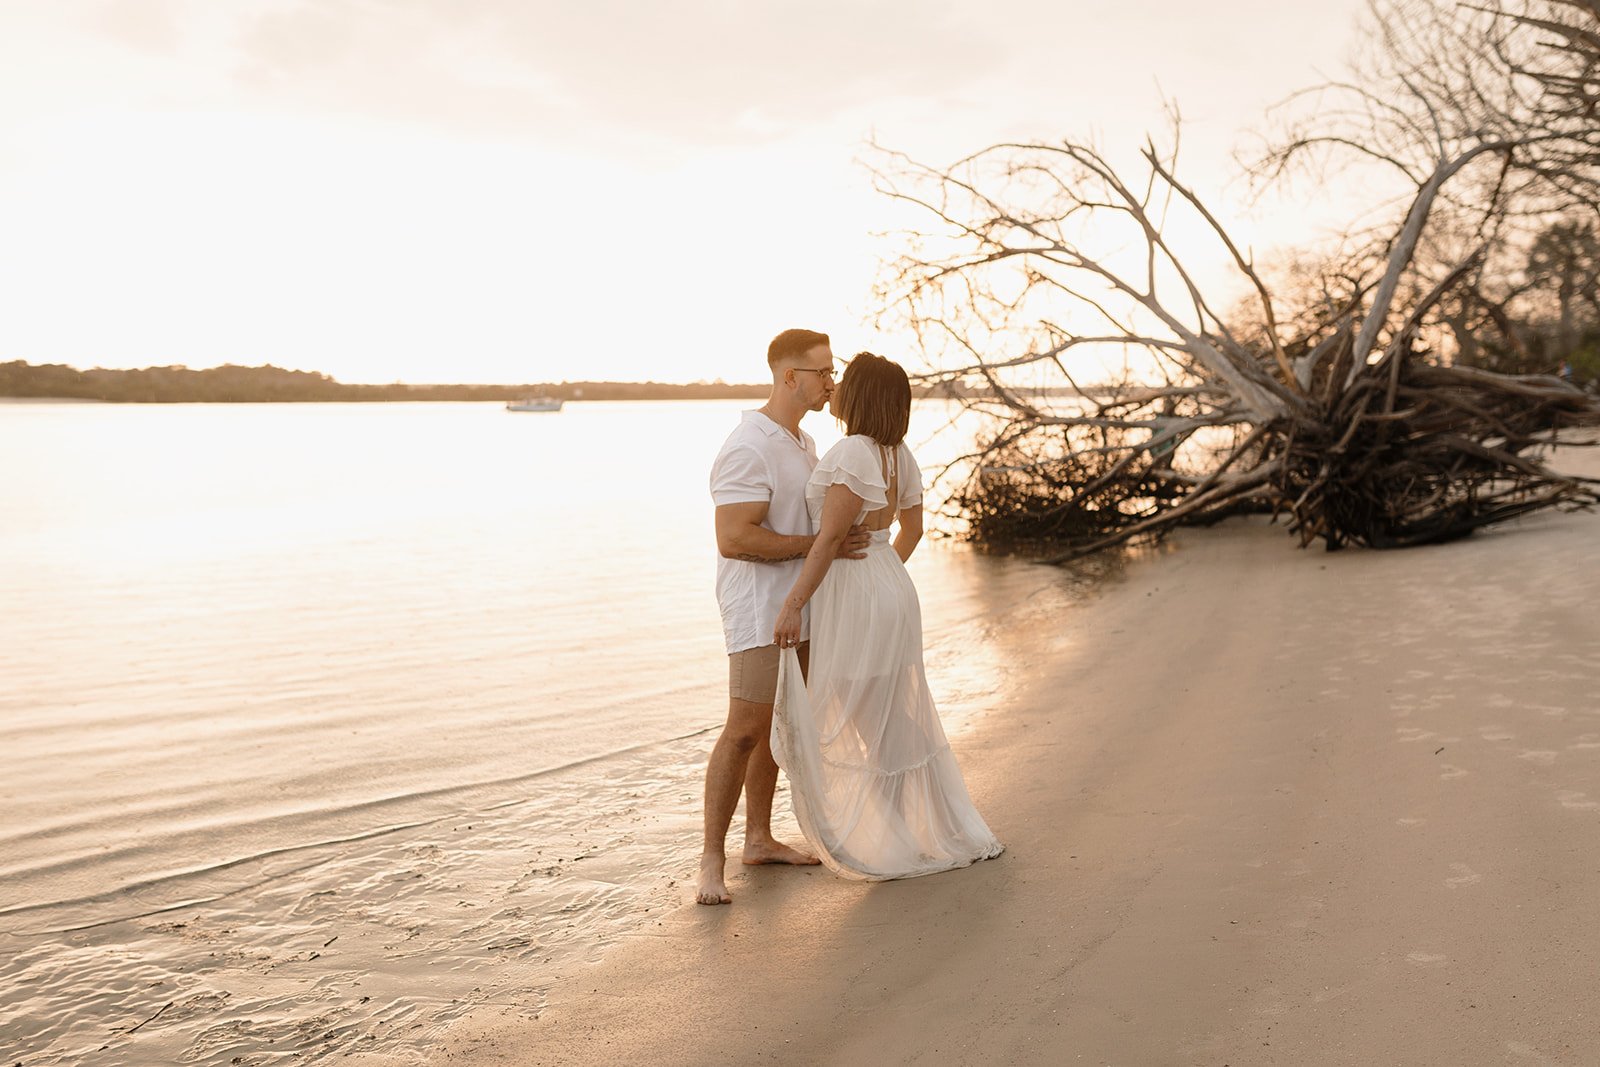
(771, 851)
(712, 890)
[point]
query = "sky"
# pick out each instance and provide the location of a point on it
(526, 191)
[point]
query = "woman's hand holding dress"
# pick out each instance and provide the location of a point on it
(786, 634)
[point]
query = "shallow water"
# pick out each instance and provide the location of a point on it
(328, 722)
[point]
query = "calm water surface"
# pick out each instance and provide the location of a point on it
(433, 681)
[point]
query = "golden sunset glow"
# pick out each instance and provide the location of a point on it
(518, 192)
(596, 532)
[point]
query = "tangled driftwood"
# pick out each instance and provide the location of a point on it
(1410, 454)
(1343, 422)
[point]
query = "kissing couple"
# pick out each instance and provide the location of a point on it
(824, 635)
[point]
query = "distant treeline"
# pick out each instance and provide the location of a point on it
(233, 384)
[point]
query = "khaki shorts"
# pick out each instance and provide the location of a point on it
(753, 673)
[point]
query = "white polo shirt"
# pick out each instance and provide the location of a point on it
(761, 462)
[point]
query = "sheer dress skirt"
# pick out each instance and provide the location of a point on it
(875, 787)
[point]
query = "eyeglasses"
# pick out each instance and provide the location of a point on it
(826, 373)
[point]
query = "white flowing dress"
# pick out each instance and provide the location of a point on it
(875, 787)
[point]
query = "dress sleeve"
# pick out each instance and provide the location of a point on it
(740, 476)
(853, 462)
(910, 479)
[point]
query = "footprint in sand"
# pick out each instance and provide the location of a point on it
(1542, 756)
(1574, 800)
(1464, 876)
(1426, 959)
(1586, 741)
(1280, 1004)
(1527, 1051)
(1495, 733)
(1450, 770)
(1408, 734)
(1410, 822)
(1314, 907)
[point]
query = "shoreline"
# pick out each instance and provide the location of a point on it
(325, 942)
(1262, 805)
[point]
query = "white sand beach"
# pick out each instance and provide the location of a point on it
(1263, 806)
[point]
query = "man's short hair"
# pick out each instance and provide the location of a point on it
(792, 344)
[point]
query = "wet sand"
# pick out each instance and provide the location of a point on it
(1263, 806)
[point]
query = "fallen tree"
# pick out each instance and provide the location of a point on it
(1338, 417)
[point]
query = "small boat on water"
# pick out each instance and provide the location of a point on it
(535, 403)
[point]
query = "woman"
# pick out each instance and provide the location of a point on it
(876, 789)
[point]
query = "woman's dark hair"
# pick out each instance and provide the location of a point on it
(874, 398)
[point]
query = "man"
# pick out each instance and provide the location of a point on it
(758, 484)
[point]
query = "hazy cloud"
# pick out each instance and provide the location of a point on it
(699, 72)
(703, 73)
(151, 26)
